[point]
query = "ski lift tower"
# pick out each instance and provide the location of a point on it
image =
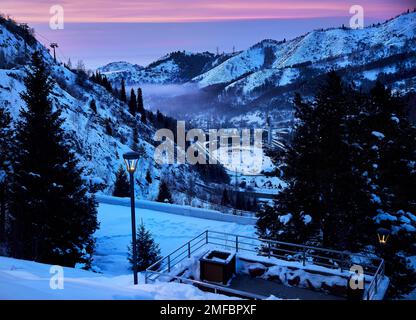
(53, 46)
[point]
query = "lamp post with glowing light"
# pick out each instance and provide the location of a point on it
(131, 159)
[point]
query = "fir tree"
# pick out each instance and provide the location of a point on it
(239, 201)
(392, 140)
(135, 139)
(350, 170)
(5, 166)
(53, 217)
(389, 144)
(148, 177)
(323, 181)
(132, 103)
(122, 185)
(108, 126)
(140, 105)
(93, 106)
(148, 251)
(123, 96)
(164, 194)
(3, 60)
(225, 200)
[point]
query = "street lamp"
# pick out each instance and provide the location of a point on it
(383, 235)
(131, 159)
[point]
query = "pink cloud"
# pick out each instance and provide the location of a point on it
(193, 11)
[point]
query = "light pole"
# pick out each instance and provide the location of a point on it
(131, 159)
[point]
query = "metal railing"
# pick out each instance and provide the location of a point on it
(305, 255)
(374, 285)
(227, 210)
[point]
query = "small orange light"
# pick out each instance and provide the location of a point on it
(383, 235)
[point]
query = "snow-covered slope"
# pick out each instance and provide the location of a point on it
(262, 79)
(176, 67)
(100, 137)
(169, 230)
(20, 279)
(27, 280)
(319, 45)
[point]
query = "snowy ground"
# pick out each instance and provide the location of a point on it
(20, 279)
(169, 230)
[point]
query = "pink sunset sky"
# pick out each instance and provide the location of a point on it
(100, 31)
(193, 10)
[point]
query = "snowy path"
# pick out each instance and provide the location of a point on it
(169, 230)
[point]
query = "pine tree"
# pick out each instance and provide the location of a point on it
(135, 139)
(148, 177)
(350, 171)
(3, 60)
(108, 125)
(389, 143)
(148, 251)
(132, 103)
(140, 105)
(225, 200)
(93, 106)
(123, 96)
(323, 181)
(5, 166)
(164, 194)
(239, 201)
(394, 138)
(53, 216)
(122, 185)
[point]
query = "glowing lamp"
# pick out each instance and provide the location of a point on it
(131, 159)
(383, 235)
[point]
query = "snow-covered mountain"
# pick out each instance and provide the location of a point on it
(278, 64)
(176, 67)
(101, 136)
(337, 45)
(243, 87)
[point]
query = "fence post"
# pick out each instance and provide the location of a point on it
(189, 249)
(342, 262)
(236, 243)
(169, 263)
(269, 249)
(145, 277)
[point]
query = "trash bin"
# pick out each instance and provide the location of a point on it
(217, 266)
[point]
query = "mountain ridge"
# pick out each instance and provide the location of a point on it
(264, 77)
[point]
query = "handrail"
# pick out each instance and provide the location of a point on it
(373, 286)
(335, 259)
(291, 244)
(214, 286)
(186, 246)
